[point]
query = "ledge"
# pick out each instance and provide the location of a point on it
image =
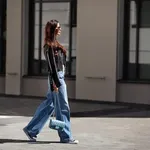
(134, 81)
(45, 77)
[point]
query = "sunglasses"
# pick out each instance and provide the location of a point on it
(58, 27)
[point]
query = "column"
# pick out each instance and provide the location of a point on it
(96, 50)
(13, 47)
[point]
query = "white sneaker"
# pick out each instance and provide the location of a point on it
(72, 141)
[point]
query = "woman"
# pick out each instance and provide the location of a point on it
(56, 57)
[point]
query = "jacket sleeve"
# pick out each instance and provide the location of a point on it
(47, 59)
(52, 66)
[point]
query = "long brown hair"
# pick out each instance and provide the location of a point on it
(50, 35)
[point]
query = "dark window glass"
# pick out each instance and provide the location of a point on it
(136, 40)
(42, 11)
(2, 36)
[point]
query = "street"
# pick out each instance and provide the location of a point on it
(125, 128)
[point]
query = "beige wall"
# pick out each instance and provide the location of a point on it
(13, 47)
(96, 56)
(133, 93)
(38, 87)
(96, 50)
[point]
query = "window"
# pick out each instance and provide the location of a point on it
(42, 11)
(2, 36)
(136, 40)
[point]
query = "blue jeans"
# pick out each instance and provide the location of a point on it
(46, 109)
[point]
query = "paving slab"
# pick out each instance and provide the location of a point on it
(93, 133)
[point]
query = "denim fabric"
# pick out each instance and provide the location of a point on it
(46, 109)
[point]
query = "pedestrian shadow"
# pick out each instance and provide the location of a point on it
(130, 112)
(3, 141)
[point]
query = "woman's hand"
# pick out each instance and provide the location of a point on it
(55, 88)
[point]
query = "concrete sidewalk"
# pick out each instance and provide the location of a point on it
(93, 134)
(98, 126)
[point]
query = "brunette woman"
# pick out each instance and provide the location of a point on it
(55, 55)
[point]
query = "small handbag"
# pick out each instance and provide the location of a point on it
(56, 124)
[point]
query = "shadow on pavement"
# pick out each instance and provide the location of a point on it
(120, 112)
(26, 107)
(2, 141)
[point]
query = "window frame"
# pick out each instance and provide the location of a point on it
(126, 42)
(72, 23)
(141, 25)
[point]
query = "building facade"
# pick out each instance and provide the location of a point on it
(107, 42)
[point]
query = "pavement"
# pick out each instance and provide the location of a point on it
(102, 127)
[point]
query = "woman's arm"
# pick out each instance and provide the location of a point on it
(52, 65)
(46, 48)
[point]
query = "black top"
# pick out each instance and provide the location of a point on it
(56, 59)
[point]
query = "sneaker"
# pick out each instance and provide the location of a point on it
(33, 139)
(72, 141)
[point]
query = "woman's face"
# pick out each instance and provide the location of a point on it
(58, 29)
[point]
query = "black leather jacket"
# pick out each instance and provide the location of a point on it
(56, 59)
